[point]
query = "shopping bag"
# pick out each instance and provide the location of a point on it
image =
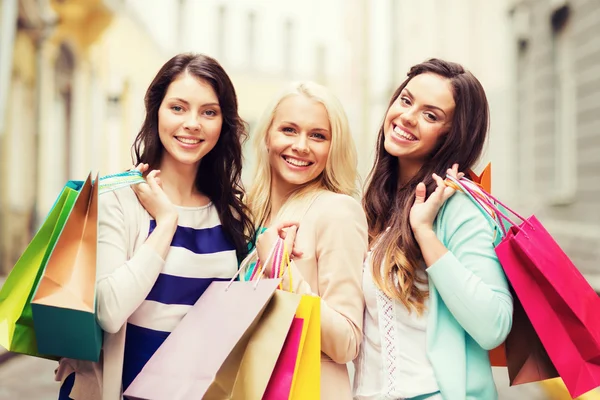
(64, 305)
(306, 383)
(280, 383)
(201, 357)
(484, 181)
(522, 353)
(17, 326)
(297, 373)
(265, 346)
(16, 322)
(527, 360)
(560, 304)
(306, 379)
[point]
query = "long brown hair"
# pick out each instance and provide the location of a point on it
(387, 203)
(219, 173)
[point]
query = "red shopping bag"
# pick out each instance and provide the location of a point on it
(561, 305)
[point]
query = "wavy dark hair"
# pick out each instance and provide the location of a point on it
(219, 173)
(387, 201)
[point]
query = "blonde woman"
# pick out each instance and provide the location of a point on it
(306, 173)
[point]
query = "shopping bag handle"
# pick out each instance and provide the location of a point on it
(119, 180)
(259, 265)
(488, 200)
(283, 266)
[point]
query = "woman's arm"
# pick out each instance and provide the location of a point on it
(123, 284)
(342, 243)
(467, 274)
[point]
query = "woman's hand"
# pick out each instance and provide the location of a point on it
(424, 211)
(153, 198)
(267, 240)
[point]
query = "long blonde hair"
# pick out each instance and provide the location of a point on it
(340, 174)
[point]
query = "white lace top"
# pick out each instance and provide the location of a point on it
(393, 362)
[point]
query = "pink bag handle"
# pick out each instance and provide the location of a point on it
(258, 264)
(482, 200)
(478, 197)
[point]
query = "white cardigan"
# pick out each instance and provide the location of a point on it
(126, 272)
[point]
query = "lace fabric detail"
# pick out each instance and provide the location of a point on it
(389, 350)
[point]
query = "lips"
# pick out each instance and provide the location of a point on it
(404, 134)
(296, 162)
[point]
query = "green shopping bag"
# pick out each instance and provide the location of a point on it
(16, 321)
(17, 333)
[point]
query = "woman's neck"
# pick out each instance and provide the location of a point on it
(179, 183)
(407, 171)
(279, 196)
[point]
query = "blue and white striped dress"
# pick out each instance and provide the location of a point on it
(200, 253)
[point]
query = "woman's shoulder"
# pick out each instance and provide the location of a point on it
(123, 198)
(461, 212)
(337, 202)
(330, 206)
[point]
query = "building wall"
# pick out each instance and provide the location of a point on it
(558, 146)
(75, 104)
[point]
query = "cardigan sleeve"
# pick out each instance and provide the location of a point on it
(469, 277)
(341, 247)
(122, 284)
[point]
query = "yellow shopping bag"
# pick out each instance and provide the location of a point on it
(306, 383)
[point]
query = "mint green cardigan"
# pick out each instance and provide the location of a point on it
(470, 309)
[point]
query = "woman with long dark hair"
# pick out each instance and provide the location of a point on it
(436, 296)
(161, 243)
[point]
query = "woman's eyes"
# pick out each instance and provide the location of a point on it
(315, 135)
(428, 115)
(431, 116)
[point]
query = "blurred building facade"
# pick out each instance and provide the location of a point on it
(71, 102)
(401, 33)
(557, 146)
(264, 44)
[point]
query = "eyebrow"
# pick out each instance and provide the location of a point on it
(296, 126)
(188, 103)
(426, 105)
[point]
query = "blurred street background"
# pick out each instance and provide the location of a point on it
(73, 74)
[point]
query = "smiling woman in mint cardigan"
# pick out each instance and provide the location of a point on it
(435, 294)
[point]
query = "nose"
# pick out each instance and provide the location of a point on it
(191, 123)
(408, 117)
(301, 144)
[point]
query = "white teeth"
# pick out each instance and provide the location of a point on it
(188, 141)
(297, 163)
(403, 134)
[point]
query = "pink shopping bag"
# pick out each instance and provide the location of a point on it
(280, 383)
(561, 305)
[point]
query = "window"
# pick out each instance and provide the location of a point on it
(287, 46)
(221, 30)
(320, 75)
(251, 35)
(565, 138)
(64, 70)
